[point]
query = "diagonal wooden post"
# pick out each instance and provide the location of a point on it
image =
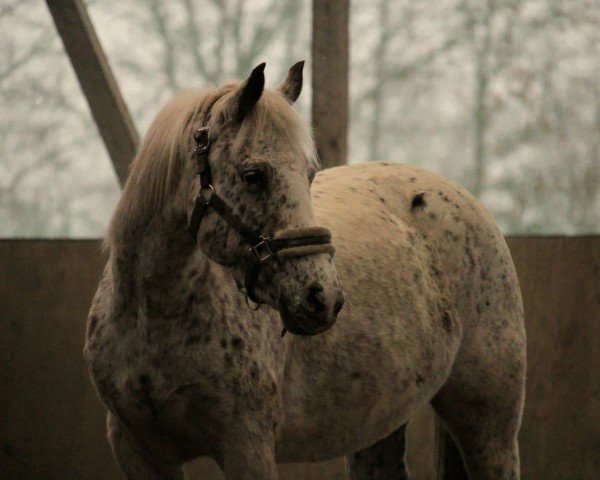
(330, 61)
(97, 82)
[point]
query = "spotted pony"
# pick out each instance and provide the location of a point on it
(430, 305)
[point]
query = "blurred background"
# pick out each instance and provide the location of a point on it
(501, 96)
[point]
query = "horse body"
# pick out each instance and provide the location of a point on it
(394, 344)
(417, 274)
(433, 313)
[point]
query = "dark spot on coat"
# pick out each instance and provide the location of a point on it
(156, 362)
(237, 342)
(145, 381)
(146, 387)
(419, 380)
(418, 201)
(228, 359)
(254, 372)
(192, 339)
(223, 343)
(447, 322)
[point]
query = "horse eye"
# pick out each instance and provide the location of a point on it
(254, 177)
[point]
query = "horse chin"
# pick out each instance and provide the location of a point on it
(297, 325)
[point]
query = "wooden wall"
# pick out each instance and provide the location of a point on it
(53, 425)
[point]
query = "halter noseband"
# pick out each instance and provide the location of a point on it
(293, 242)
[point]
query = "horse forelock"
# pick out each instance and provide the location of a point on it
(163, 157)
(274, 116)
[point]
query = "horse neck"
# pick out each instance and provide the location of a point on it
(157, 270)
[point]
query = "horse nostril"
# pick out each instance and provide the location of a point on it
(315, 297)
(338, 306)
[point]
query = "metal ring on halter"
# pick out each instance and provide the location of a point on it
(211, 192)
(251, 305)
(202, 137)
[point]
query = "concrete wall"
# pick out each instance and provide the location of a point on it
(53, 425)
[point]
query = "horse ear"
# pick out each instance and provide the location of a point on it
(250, 92)
(291, 87)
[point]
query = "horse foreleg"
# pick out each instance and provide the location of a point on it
(132, 458)
(385, 459)
(249, 454)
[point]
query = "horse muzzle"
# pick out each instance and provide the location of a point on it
(317, 312)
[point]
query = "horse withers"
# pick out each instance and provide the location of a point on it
(423, 289)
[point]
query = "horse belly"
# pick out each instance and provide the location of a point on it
(352, 403)
(342, 431)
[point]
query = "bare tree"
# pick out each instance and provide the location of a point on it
(502, 96)
(49, 135)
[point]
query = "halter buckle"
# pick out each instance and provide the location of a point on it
(261, 250)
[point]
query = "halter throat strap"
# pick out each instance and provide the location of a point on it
(289, 243)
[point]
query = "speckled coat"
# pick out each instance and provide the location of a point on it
(433, 314)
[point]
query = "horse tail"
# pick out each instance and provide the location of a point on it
(449, 462)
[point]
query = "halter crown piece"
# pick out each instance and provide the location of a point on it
(294, 242)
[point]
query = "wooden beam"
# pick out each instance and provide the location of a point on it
(330, 63)
(97, 82)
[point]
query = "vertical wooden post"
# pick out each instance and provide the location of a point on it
(330, 63)
(97, 82)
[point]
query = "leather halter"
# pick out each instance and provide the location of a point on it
(293, 242)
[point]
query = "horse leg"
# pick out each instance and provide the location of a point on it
(132, 458)
(450, 465)
(489, 449)
(485, 427)
(249, 454)
(385, 459)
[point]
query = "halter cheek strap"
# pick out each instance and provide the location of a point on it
(294, 242)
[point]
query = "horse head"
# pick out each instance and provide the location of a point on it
(261, 164)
